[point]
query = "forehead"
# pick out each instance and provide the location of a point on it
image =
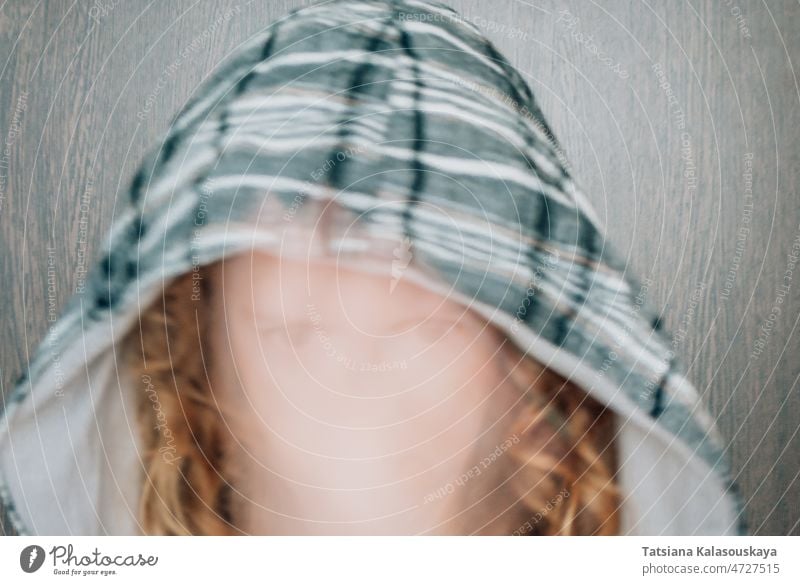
(276, 287)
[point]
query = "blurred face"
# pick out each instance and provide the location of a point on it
(355, 405)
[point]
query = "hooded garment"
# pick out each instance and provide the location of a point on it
(405, 118)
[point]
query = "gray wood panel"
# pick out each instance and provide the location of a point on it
(85, 87)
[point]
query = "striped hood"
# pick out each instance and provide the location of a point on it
(422, 136)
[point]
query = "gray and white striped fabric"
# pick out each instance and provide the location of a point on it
(395, 122)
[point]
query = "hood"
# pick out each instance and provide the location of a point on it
(406, 117)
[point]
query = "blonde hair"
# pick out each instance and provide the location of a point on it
(184, 493)
(565, 472)
(561, 468)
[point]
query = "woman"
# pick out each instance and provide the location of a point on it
(357, 291)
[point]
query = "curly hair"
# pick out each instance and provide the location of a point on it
(561, 469)
(184, 493)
